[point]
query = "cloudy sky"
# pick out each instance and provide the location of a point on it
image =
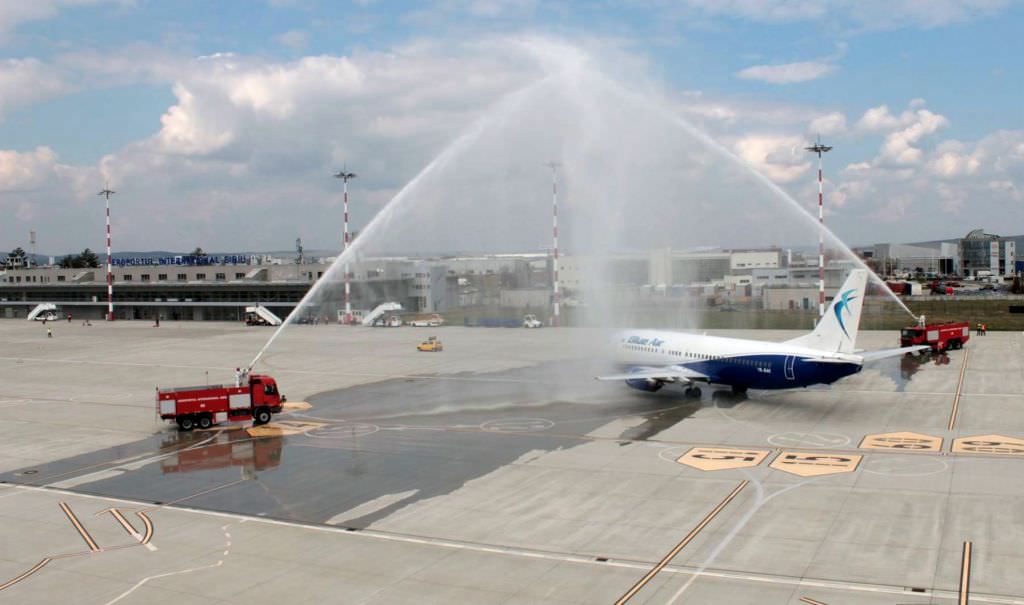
(219, 124)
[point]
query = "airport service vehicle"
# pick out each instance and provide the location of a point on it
(651, 358)
(531, 321)
(434, 321)
(261, 316)
(938, 337)
(430, 345)
(205, 406)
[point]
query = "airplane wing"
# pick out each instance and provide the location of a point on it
(666, 373)
(871, 356)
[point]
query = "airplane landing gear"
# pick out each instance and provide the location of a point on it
(692, 392)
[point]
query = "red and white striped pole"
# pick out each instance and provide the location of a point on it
(820, 149)
(345, 176)
(110, 272)
(556, 294)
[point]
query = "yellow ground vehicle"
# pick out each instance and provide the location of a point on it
(430, 345)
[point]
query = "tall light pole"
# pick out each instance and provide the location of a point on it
(555, 294)
(110, 272)
(820, 149)
(345, 177)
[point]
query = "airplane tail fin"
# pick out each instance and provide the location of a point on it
(836, 332)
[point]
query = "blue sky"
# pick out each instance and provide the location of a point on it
(127, 90)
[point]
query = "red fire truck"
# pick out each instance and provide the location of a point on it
(940, 337)
(208, 405)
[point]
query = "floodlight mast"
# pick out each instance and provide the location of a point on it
(555, 291)
(345, 177)
(106, 193)
(820, 149)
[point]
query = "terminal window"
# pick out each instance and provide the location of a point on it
(126, 278)
(182, 277)
(239, 275)
(145, 277)
(60, 278)
(200, 276)
(161, 277)
(220, 277)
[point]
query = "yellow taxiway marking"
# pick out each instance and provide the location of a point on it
(989, 444)
(815, 464)
(906, 441)
(965, 574)
(959, 390)
(682, 544)
(282, 427)
(296, 405)
(811, 601)
(81, 528)
(720, 458)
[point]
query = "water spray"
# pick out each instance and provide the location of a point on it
(760, 178)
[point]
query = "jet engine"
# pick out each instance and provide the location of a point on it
(649, 385)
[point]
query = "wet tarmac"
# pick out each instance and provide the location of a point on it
(416, 438)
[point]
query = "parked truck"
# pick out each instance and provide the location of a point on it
(205, 406)
(939, 336)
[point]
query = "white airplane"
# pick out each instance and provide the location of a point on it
(652, 359)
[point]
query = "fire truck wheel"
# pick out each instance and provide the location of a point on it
(185, 423)
(205, 421)
(262, 416)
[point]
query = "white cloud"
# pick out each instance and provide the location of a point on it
(899, 146)
(828, 124)
(788, 73)
(26, 81)
(21, 171)
(877, 119)
(781, 158)
(864, 14)
(15, 12)
(295, 39)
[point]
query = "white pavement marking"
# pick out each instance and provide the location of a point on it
(368, 508)
(545, 555)
(109, 473)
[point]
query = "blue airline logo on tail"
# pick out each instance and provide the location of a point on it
(844, 305)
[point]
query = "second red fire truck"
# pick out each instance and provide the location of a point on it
(205, 406)
(939, 336)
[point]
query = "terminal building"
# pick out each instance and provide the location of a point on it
(977, 253)
(210, 290)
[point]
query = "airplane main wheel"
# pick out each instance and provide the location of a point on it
(693, 392)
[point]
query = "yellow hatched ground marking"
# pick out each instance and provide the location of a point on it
(816, 464)
(719, 458)
(282, 427)
(989, 444)
(906, 441)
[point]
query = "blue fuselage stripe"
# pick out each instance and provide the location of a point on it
(768, 371)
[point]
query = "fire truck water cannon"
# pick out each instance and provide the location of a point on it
(205, 406)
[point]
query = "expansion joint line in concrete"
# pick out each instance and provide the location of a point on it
(965, 574)
(681, 545)
(959, 390)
